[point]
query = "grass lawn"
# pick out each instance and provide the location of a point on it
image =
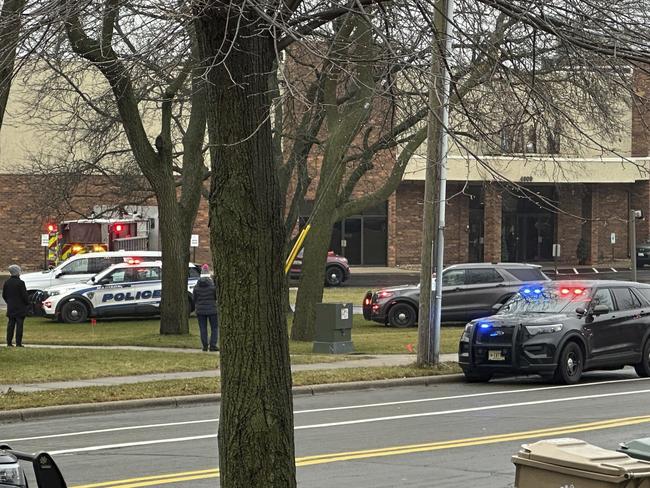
(36, 365)
(339, 294)
(368, 337)
(156, 389)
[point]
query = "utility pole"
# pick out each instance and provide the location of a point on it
(435, 184)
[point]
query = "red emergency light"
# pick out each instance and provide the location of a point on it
(51, 228)
(118, 227)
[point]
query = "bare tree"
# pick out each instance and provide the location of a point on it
(115, 54)
(10, 29)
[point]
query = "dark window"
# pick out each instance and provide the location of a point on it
(625, 300)
(603, 297)
(121, 275)
(195, 272)
(453, 277)
(527, 274)
(95, 265)
(78, 266)
(644, 292)
(480, 276)
(146, 274)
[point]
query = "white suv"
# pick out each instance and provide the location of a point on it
(81, 268)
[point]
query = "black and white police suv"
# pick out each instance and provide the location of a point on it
(561, 329)
(125, 289)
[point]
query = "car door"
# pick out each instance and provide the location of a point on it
(630, 330)
(603, 331)
(76, 271)
(111, 298)
(146, 290)
(484, 288)
(453, 305)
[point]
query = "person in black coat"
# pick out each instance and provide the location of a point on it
(205, 305)
(15, 296)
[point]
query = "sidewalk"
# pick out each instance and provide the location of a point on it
(382, 360)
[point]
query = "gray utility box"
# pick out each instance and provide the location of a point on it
(333, 328)
(561, 463)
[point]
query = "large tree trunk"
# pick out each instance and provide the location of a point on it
(10, 22)
(175, 230)
(312, 277)
(256, 446)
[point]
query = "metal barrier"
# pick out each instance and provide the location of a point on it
(131, 244)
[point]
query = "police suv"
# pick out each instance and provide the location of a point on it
(560, 330)
(125, 289)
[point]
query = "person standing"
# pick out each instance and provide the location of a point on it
(205, 305)
(15, 296)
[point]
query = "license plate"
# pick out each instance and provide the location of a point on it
(496, 356)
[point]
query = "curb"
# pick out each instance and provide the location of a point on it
(27, 414)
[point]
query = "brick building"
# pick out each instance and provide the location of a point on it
(585, 197)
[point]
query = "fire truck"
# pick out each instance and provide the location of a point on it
(71, 237)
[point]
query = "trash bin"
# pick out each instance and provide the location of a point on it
(333, 333)
(572, 463)
(638, 448)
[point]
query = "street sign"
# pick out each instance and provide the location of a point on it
(556, 250)
(194, 240)
(612, 238)
(45, 240)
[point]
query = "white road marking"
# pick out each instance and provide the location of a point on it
(112, 429)
(361, 421)
(331, 409)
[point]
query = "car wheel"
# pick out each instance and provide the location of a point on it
(333, 276)
(569, 369)
(477, 376)
(74, 312)
(643, 368)
(402, 315)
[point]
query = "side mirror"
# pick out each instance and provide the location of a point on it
(496, 307)
(59, 274)
(104, 281)
(581, 311)
(600, 310)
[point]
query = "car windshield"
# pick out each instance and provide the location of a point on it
(540, 299)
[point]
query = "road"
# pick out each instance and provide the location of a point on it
(449, 435)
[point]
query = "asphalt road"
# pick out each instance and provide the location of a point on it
(449, 435)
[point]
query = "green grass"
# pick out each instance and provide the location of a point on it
(37, 365)
(340, 294)
(156, 389)
(368, 337)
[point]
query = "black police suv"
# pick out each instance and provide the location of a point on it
(560, 330)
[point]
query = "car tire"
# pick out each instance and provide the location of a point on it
(477, 376)
(74, 312)
(643, 368)
(402, 315)
(333, 276)
(570, 365)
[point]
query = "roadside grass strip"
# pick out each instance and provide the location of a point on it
(388, 451)
(200, 386)
(38, 365)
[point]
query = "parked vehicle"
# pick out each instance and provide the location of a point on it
(643, 254)
(469, 291)
(82, 267)
(560, 330)
(123, 290)
(337, 269)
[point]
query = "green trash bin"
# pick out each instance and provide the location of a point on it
(333, 333)
(638, 448)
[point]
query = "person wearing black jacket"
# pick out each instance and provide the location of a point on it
(205, 305)
(15, 296)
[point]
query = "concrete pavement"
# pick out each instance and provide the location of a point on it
(382, 360)
(445, 435)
